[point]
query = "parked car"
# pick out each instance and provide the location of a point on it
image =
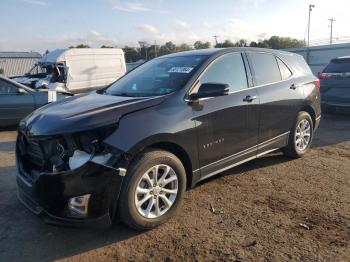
(17, 101)
(132, 149)
(76, 70)
(335, 85)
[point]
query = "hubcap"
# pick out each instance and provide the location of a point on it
(156, 191)
(303, 135)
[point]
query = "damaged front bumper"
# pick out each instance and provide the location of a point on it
(50, 194)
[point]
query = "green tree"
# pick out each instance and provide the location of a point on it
(253, 44)
(80, 46)
(226, 43)
(201, 45)
(106, 46)
(277, 42)
(131, 54)
(153, 51)
(167, 48)
(241, 43)
(183, 47)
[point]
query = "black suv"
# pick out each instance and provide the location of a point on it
(131, 149)
(335, 85)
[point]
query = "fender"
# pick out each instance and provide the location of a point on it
(141, 129)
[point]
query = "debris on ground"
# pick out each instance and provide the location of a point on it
(305, 226)
(250, 244)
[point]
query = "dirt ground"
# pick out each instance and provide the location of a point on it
(249, 213)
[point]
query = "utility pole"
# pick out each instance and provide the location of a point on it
(308, 25)
(155, 48)
(308, 33)
(331, 26)
(216, 39)
(143, 44)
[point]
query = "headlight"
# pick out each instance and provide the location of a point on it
(80, 158)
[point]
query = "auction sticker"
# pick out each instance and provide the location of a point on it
(183, 69)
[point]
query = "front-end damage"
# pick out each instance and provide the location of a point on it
(70, 179)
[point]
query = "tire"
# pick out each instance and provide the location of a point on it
(294, 149)
(140, 177)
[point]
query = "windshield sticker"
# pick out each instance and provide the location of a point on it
(183, 70)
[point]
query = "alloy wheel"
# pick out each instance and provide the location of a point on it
(156, 191)
(302, 135)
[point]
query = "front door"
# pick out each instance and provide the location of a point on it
(227, 126)
(14, 105)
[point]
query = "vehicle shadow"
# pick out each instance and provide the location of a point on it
(334, 129)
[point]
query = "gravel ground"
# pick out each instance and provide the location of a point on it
(271, 209)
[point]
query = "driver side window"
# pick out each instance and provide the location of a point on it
(228, 69)
(6, 88)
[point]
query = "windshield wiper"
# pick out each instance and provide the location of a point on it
(123, 94)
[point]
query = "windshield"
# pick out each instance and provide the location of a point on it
(38, 69)
(159, 76)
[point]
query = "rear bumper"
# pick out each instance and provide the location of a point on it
(317, 122)
(47, 195)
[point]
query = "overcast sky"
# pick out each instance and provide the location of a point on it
(49, 24)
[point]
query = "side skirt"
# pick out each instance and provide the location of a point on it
(240, 158)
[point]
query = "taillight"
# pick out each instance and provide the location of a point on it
(324, 76)
(318, 83)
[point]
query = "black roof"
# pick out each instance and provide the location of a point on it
(19, 55)
(213, 51)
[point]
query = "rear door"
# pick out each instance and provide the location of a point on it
(280, 99)
(335, 83)
(13, 105)
(227, 126)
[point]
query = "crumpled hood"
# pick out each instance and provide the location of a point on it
(83, 112)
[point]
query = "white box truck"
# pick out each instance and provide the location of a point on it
(76, 70)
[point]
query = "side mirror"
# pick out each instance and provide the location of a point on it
(211, 90)
(22, 91)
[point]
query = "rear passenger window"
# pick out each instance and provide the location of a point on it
(228, 69)
(265, 68)
(285, 72)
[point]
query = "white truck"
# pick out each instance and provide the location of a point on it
(76, 70)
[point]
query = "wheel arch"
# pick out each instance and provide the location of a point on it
(169, 145)
(311, 111)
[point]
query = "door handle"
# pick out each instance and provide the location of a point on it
(249, 98)
(293, 86)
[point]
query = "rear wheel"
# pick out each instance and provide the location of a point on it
(300, 137)
(153, 190)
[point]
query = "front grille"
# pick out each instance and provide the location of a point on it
(30, 153)
(35, 154)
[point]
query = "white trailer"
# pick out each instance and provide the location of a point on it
(76, 70)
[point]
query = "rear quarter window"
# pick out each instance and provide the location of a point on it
(285, 72)
(298, 64)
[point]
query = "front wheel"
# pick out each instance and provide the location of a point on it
(300, 137)
(153, 190)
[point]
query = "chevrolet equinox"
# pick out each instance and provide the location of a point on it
(131, 149)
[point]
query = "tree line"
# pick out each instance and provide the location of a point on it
(146, 52)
